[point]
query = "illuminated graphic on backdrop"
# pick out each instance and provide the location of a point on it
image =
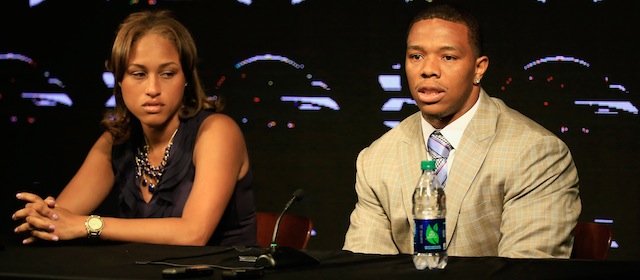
(25, 81)
(272, 88)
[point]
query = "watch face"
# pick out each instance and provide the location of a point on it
(95, 223)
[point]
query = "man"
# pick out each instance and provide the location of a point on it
(512, 186)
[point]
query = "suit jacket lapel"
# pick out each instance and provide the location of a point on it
(473, 149)
(412, 151)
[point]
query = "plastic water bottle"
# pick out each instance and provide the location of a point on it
(429, 212)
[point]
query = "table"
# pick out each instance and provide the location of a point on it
(108, 260)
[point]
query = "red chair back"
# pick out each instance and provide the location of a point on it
(591, 241)
(294, 230)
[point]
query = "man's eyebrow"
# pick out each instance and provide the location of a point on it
(419, 48)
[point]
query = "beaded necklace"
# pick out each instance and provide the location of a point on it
(150, 174)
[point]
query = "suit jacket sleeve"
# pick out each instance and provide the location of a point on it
(541, 202)
(386, 174)
(370, 229)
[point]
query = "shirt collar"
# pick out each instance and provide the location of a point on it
(453, 131)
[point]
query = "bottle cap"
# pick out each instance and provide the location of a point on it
(428, 165)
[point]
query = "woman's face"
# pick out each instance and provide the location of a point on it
(153, 83)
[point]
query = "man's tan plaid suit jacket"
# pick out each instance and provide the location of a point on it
(512, 189)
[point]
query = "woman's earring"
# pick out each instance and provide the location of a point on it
(476, 81)
(186, 84)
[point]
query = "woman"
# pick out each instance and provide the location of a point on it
(182, 169)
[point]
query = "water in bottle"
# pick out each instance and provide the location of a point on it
(429, 211)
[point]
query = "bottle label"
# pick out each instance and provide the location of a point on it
(429, 236)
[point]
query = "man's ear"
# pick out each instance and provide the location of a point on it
(482, 63)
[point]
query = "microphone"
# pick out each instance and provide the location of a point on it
(284, 256)
(297, 196)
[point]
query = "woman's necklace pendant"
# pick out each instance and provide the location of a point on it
(148, 175)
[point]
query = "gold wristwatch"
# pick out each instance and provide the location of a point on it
(94, 225)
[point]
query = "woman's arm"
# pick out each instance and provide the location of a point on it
(84, 193)
(220, 158)
(93, 182)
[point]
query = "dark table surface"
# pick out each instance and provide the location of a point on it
(107, 260)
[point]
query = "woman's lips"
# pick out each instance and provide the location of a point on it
(152, 107)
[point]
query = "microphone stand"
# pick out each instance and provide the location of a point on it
(279, 257)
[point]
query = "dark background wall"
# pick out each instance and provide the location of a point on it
(346, 45)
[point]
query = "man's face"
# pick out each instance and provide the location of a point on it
(441, 67)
